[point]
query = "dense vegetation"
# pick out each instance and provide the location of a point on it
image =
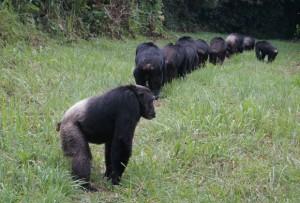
(90, 18)
(119, 18)
(223, 134)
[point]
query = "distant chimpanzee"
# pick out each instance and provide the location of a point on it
(174, 61)
(248, 43)
(110, 118)
(182, 60)
(203, 49)
(234, 44)
(191, 50)
(263, 48)
(149, 64)
(217, 50)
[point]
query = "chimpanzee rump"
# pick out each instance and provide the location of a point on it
(192, 57)
(234, 43)
(203, 50)
(149, 63)
(174, 62)
(248, 43)
(265, 48)
(182, 65)
(217, 51)
(111, 119)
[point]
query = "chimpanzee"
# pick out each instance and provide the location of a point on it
(174, 61)
(217, 50)
(234, 43)
(149, 64)
(248, 43)
(263, 48)
(110, 118)
(192, 54)
(182, 60)
(203, 48)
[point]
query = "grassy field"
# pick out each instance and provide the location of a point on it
(226, 133)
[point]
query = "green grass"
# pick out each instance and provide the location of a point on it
(226, 133)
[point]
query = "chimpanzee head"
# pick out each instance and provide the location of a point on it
(146, 100)
(272, 55)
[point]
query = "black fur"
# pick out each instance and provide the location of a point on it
(175, 63)
(111, 119)
(191, 54)
(217, 50)
(265, 48)
(203, 50)
(149, 64)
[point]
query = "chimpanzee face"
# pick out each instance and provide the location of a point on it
(146, 99)
(272, 55)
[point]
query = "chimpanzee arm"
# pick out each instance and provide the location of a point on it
(139, 77)
(108, 160)
(122, 145)
(155, 82)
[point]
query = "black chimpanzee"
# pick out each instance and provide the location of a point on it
(149, 64)
(203, 49)
(217, 50)
(110, 118)
(234, 43)
(175, 63)
(192, 55)
(263, 48)
(248, 43)
(182, 57)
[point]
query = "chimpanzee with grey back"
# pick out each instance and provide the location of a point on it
(149, 65)
(265, 48)
(248, 43)
(111, 119)
(234, 43)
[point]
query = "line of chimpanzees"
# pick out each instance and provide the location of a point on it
(111, 118)
(156, 66)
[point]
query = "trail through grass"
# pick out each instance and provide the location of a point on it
(226, 133)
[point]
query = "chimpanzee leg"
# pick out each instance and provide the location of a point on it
(108, 160)
(212, 59)
(155, 83)
(270, 58)
(75, 146)
(81, 169)
(182, 69)
(121, 152)
(258, 54)
(121, 146)
(263, 56)
(222, 58)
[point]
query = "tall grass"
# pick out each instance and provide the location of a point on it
(223, 134)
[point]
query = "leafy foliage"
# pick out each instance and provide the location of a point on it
(12, 30)
(81, 18)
